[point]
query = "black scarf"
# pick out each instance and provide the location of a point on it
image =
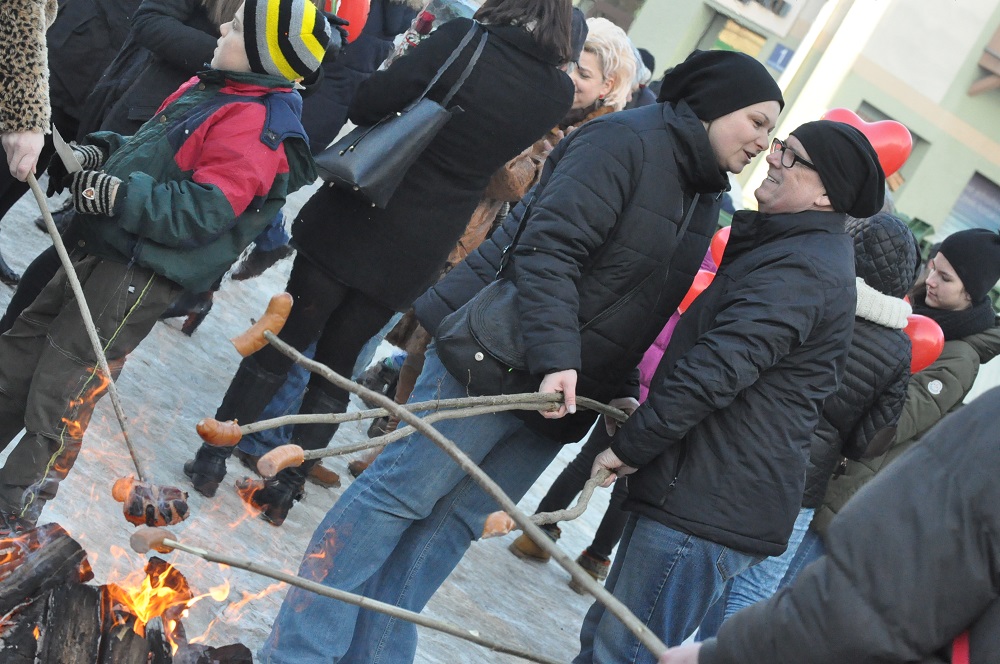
(959, 324)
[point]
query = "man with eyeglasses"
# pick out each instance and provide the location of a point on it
(715, 458)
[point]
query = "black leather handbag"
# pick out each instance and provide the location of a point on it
(372, 161)
(481, 343)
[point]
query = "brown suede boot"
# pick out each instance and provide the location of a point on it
(593, 566)
(525, 548)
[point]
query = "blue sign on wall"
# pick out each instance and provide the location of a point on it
(780, 57)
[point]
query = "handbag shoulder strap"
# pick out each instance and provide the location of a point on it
(623, 300)
(450, 61)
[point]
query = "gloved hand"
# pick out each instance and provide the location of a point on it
(90, 157)
(93, 192)
(338, 37)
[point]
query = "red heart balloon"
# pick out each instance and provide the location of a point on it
(354, 11)
(927, 340)
(892, 140)
(700, 283)
(719, 242)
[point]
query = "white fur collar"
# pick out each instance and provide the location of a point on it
(880, 308)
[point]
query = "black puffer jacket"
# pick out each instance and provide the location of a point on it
(873, 390)
(721, 440)
(609, 204)
(325, 112)
(911, 563)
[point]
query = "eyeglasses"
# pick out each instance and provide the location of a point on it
(788, 156)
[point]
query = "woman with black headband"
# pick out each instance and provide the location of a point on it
(608, 218)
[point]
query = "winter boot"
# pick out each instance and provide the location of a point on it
(358, 466)
(7, 274)
(592, 565)
(317, 436)
(525, 548)
(274, 497)
(381, 377)
(61, 217)
(250, 390)
(193, 306)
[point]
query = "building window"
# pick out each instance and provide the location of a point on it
(989, 61)
(726, 34)
(977, 207)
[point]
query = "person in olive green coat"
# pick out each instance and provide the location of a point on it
(961, 273)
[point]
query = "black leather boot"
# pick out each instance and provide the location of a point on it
(274, 497)
(249, 392)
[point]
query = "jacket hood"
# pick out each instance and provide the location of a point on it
(693, 151)
(885, 253)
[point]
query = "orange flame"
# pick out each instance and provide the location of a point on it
(36, 632)
(75, 428)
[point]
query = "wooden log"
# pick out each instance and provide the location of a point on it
(72, 629)
(121, 645)
(38, 561)
(18, 644)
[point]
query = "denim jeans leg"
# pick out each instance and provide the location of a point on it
(668, 579)
(274, 234)
(286, 401)
(432, 548)
(359, 534)
(810, 549)
(761, 581)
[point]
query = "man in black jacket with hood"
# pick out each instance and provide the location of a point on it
(721, 442)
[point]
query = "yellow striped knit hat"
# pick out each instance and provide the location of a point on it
(285, 37)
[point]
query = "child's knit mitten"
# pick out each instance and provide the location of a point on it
(93, 192)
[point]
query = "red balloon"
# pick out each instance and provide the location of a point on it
(892, 140)
(927, 340)
(354, 11)
(700, 283)
(719, 242)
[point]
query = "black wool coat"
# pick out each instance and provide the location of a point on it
(721, 440)
(181, 40)
(911, 563)
(513, 96)
(81, 43)
(325, 112)
(610, 202)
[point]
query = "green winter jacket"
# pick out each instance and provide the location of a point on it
(932, 393)
(203, 177)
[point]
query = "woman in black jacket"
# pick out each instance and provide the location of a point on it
(357, 264)
(606, 222)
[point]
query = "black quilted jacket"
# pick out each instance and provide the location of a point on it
(873, 390)
(611, 198)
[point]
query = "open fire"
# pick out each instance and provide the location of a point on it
(50, 614)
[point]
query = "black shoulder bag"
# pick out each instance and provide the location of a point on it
(372, 161)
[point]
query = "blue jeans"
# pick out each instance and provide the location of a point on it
(399, 530)
(288, 398)
(274, 235)
(811, 549)
(757, 583)
(668, 579)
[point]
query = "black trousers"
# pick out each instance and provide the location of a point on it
(570, 482)
(341, 319)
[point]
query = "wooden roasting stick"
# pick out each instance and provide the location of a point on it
(143, 502)
(583, 579)
(163, 541)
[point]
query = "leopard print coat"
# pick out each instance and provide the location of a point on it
(24, 73)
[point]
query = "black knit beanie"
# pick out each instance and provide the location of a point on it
(847, 164)
(975, 255)
(716, 83)
(579, 31)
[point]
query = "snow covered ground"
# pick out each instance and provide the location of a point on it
(170, 383)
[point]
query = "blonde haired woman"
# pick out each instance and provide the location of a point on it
(603, 75)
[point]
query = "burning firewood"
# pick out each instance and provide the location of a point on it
(145, 504)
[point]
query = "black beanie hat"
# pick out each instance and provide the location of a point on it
(847, 164)
(975, 255)
(716, 83)
(579, 34)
